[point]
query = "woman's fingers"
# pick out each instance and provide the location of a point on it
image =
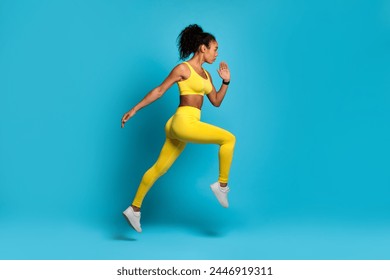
(125, 118)
(223, 70)
(223, 66)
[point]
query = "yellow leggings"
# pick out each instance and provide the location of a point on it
(185, 127)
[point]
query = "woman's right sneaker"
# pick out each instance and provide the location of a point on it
(221, 193)
(133, 218)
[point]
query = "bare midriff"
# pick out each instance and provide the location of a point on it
(193, 100)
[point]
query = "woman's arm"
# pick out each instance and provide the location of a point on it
(156, 93)
(215, 97)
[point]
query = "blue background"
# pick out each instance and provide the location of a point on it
(309, 104)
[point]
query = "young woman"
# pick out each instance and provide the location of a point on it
(185, 126)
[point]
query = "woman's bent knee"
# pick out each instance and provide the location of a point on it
(231, 139)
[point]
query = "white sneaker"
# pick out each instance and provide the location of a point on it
(221, 193)
(133, 218)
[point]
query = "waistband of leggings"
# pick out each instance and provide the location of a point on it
(188, 110)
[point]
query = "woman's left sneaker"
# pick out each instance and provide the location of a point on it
(221, 193)
(133, 218)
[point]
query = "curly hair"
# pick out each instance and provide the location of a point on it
(190, 38)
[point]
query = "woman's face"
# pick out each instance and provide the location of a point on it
(211, 52)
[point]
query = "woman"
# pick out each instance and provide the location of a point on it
(185, 125)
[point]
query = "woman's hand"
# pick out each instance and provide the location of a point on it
(127, 116)
(224, 72)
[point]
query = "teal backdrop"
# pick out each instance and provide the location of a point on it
(308, 102)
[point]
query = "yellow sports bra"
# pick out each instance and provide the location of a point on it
(195, 84)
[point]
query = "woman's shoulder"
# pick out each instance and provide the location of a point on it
(183, 65)
(182, 69)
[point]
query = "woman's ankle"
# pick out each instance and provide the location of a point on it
(135, 208)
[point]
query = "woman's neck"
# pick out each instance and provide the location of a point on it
(197, 60)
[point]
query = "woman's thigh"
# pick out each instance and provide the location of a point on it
(195, 131)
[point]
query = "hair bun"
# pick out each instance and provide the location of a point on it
(193, 30)
(190, 38)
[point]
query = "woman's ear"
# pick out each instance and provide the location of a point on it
(202, 48)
